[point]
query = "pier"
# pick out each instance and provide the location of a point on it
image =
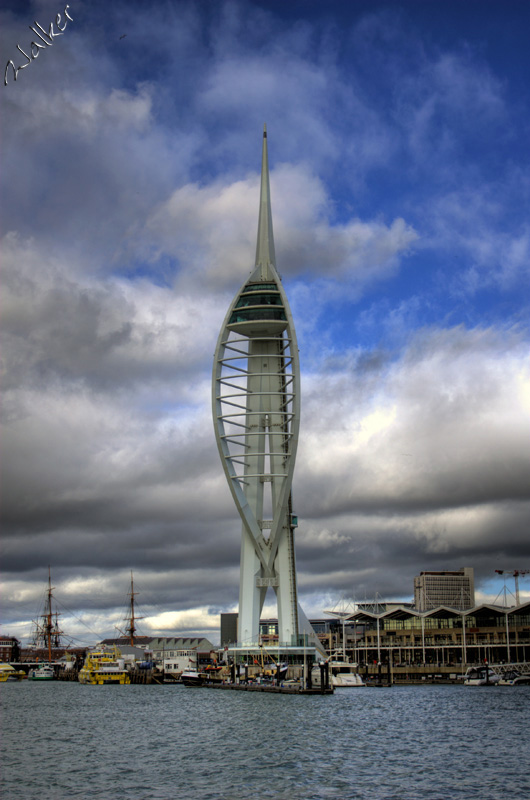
(410, 674)
(263, 687)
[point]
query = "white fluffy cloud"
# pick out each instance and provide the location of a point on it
(211, 230)
(443, 429)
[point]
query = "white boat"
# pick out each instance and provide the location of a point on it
(515, 678)
(344, 675)
(211, 674)
(481, 676)
(190, 677)
(42, 673)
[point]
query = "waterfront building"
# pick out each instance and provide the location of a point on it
(256, 413)
(452, 588)
(121, 641)
(444, 636)
(338, 634)
(36, 655)
(268, 631)
(334, 634)
(9, 649)
(178, 647)
(195, 658)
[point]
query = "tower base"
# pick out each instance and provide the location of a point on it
(295, 666)
(255, 655)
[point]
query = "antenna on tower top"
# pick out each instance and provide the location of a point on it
(265, 254)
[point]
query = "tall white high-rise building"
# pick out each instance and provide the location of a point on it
(256, 411)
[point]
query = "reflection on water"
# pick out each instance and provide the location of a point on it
(64, 740)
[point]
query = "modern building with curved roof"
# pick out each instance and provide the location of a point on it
(444, 635)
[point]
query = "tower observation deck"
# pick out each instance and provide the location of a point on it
(256, 412)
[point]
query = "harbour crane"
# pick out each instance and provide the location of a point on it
(516, 573)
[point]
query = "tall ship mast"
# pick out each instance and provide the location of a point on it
(47, 633)
(131, 618)
(131, 630)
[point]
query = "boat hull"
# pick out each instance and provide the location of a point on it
(193, 678)
(515, 680)
(352, 681)
(97, 678)
(343, 675)
(14, 676)
(43, 673)
(9, 673)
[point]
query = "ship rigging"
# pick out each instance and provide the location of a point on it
(131, 618)
(47, 634)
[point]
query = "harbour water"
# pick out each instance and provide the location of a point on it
(64, 740)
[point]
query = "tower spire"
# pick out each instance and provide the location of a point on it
(265, 254)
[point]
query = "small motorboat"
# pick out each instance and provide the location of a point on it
(481, 676)
(515, 678)
(43, 673)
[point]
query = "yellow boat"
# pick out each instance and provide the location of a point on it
(9, 673)
(104, 667)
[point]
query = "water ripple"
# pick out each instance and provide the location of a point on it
(65, 740)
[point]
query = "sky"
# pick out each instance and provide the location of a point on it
(400, 180)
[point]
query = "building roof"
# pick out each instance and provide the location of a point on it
(181, 643)
(405, 612)
(139, 641)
